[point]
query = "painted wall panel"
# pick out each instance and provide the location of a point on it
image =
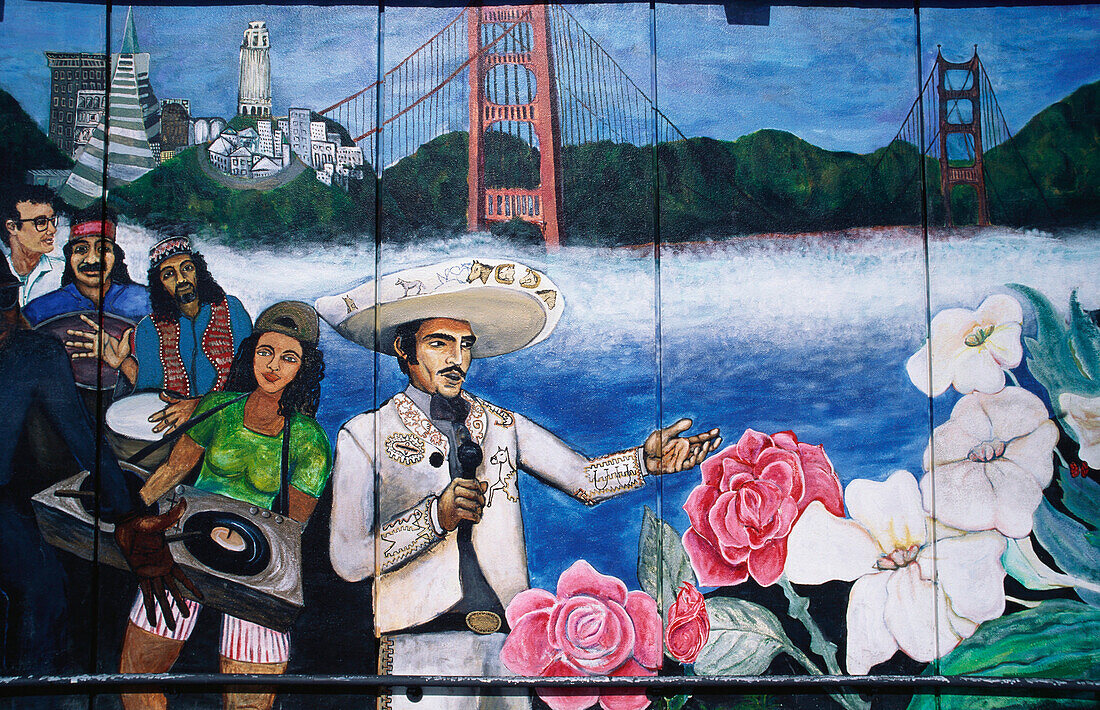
(664, 214)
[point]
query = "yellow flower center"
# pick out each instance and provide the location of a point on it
(979, 335)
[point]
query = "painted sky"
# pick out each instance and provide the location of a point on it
(840, 78)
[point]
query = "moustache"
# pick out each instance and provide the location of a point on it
(453, 368)
(90, 268)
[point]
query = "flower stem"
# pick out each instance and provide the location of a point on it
(799, 609)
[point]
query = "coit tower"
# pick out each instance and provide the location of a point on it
(254, 94)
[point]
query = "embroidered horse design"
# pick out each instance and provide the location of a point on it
(412, 288)
(506, 475)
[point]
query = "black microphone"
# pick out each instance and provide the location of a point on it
(469, 453)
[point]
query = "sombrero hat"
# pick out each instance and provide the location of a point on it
(507, 304)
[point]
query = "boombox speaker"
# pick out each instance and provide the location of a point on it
(246, 560)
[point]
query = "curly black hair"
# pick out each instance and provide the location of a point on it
(301, 396)
(120, 274)
(164, 303)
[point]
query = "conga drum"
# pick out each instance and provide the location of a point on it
(129, 429)
(87, 370)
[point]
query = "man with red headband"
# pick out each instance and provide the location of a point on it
(95, 276)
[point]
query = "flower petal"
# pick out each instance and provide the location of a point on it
(824, 547)
(566, 698)
(964, 496)
(629, 699)
(1004, 345)
(766, 562)
(647, 629)
(712, 568)
(1016, 494)
(822, 482)
(999, 309)
(911, 617)
(869, 641)
(527, 650)
(1083, 416)
(527, 601)
(1013, 412)
(917, 368)
(890, 510)
(977, 371)
(970, 574)
(582, 578)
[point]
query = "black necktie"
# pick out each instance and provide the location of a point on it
(448, 409)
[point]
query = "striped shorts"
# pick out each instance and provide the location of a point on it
(241, 640)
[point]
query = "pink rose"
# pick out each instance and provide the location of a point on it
(688, 624)
(751, 495)
(593, 627)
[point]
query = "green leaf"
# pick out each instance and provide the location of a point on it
(1067, 542)
(1081, 496)
(662, 561)
(1056, 639)
(1050, 358)
(1021, 562)
(744, 638)
(1085, 338)
(678, 701)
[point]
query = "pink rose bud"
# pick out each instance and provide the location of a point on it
(688, 624)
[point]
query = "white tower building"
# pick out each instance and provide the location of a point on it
(254, 94)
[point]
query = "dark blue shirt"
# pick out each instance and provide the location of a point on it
(129, 301)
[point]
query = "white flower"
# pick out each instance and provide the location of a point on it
(992, 461)
(1083, 415)
(886, 548)
(971, 349)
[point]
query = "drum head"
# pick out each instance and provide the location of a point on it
(86, 370)
(129, 429)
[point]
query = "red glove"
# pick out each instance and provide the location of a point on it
(141, 539)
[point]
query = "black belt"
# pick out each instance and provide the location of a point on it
(481, 622)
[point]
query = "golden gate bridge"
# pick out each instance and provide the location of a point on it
(525, 80)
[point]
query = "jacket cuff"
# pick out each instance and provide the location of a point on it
(611, 475)
(408, 535)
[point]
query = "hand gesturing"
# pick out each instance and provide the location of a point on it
(667, 452)
(141, 539)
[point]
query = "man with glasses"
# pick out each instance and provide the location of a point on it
(30, 226)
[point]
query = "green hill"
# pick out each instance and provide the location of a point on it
(23, 146)
(1058, 150)
(179, 192)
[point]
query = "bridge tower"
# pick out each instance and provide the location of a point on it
(953, 112)
(542, 204)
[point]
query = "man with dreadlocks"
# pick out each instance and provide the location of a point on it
(185, 347)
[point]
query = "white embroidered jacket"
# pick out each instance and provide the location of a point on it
(415, 568)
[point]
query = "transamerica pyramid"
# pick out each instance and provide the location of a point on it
(130, 124)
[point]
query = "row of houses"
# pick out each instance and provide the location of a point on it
(269, 147)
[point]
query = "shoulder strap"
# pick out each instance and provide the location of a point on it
(282, 502)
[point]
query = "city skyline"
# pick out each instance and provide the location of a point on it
(842, 79)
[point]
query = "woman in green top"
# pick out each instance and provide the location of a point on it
(241, 447)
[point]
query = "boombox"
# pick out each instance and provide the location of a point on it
(246, 560)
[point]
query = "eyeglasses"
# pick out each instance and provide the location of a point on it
(40, 221)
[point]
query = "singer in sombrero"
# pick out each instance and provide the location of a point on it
(273, 392)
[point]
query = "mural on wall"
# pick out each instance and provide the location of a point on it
(330, 304)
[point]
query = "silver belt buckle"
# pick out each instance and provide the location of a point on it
(483, 622)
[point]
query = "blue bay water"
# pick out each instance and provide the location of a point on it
(803, 334)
